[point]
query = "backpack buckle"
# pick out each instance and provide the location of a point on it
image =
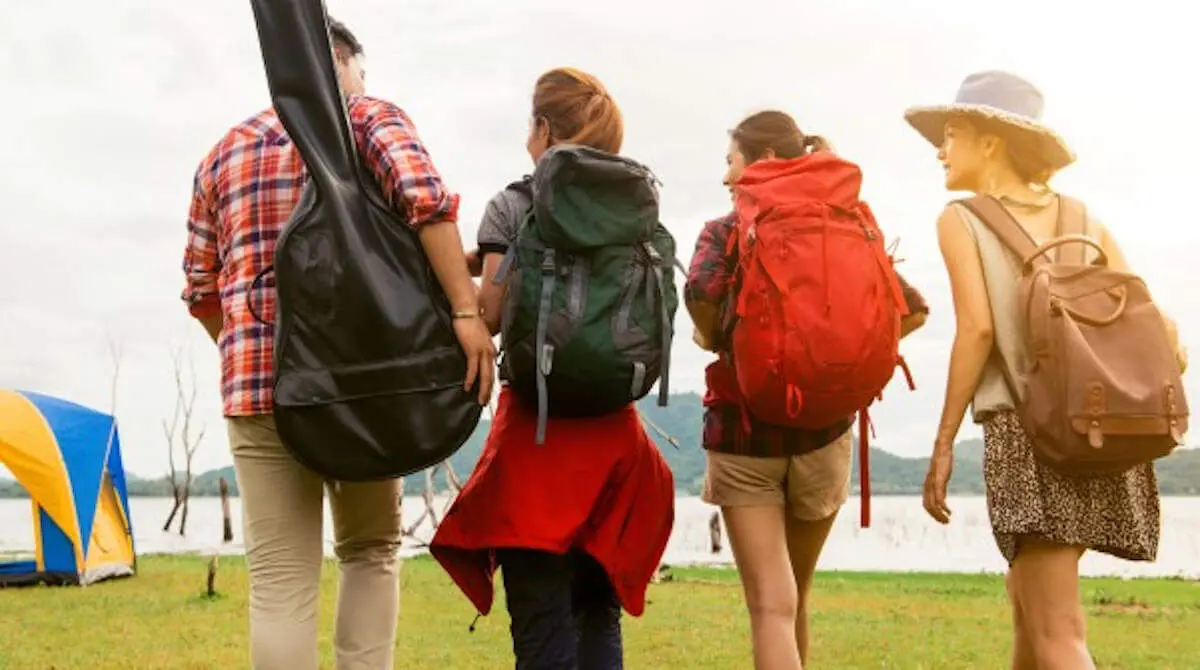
(546, 360)
(655, 257)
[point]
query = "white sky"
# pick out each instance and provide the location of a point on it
(109, 106)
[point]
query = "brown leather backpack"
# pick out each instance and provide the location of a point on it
(1104, 391)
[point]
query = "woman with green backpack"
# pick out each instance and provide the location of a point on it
(570, 498)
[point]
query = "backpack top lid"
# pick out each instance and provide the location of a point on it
(822, 176)
(585, 198)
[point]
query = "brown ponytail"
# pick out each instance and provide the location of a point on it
(578, 110)
(777, 132)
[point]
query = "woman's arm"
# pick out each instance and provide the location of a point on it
(497, 232)
(918, 309)
(491, 295)
(708, 281)
(912, 322)
(973, 323)
(705, 317)
(970, 351)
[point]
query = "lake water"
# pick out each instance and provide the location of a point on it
(901, 537)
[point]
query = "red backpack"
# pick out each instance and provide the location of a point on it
(817, 329)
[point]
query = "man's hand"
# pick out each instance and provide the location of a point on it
(444, 249)
(212, 325)
(476, 341)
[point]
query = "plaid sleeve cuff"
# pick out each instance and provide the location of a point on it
(203, 307)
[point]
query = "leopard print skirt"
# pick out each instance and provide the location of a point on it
(1117, 514)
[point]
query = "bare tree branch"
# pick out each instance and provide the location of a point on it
(411, 531)
(171, 431)
(190, 444)
(428, 496)
(116, 353)
(179, 437)
(452, 477)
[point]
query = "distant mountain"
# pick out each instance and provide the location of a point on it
(1179, 474)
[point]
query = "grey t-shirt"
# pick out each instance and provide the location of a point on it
(502, 219)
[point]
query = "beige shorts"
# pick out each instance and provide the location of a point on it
(812, 486)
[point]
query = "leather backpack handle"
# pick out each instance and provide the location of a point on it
(297, 53)
(1082, 240)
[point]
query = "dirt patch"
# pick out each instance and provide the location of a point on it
(1132, 607)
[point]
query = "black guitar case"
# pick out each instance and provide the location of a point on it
(368, 372)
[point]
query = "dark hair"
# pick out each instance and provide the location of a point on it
(345, 44)
(1023, 151)
(775, 131)
(578, 110)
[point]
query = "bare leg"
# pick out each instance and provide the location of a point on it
(1045, 580)
(805, 540)
(1023, 658)
(757, 539)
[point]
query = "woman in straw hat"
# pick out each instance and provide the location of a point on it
(991, 141)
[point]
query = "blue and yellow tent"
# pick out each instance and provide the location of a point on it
(68, 458)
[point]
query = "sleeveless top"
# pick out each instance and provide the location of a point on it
(1002, 274)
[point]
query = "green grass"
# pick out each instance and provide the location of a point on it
(695, 620)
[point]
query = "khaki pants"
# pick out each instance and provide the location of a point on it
(282, 513)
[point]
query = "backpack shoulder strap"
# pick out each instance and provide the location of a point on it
(1073, 220)
(996, 217)
(524, 186)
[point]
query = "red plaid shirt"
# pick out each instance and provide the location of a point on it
(244, 193)
(710, 280)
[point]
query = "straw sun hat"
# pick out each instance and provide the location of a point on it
(1000, 97)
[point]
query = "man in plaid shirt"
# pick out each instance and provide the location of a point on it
(244, 192)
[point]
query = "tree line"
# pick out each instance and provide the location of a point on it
(1179, 474)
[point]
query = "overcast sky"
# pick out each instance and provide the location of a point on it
(108, 107)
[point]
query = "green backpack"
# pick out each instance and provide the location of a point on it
(589, 311)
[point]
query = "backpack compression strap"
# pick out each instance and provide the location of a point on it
(864, 471)
(545, 351)
(657, 278)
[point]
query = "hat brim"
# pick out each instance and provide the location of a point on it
(930, 122)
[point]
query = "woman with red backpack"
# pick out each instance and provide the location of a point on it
(578, 521)
(778, 439)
